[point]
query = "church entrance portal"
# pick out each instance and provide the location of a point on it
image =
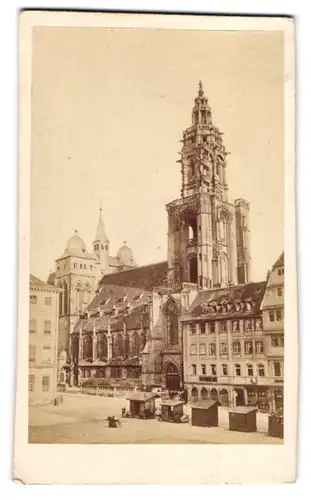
(172, 378)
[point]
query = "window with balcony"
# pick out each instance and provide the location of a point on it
(202, 328)
(45, 384)
(194, 369)
(32, 353)
(237, 369)
(248, 347)
(250, 370)
(193, 349)
(212, 349)
(261, 370)
(47, 327)
(202, 349)
(223, 326)
(193, 328)
(259, 347)
(33, 299)
(223, 348)
(236, 348)
(271, 316)
(203, 369)
(47, 301)
(277, 368)
(32, 326)
(213, 370)
(224, 369)
(31, 383)
(211, 327)
(279, 292)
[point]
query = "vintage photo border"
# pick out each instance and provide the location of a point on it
(193, 464)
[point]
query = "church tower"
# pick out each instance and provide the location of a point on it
(101, 247)
(75, 276)
(202, 229)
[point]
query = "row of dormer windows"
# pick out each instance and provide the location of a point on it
(210, 326)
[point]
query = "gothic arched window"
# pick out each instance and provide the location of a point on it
(171, 322)
(102, 347)
(88, 348)
(135, 344)
(126, 346)
(118, 346)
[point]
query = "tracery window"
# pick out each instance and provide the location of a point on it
(135, 344)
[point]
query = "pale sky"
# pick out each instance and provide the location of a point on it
(108, 110)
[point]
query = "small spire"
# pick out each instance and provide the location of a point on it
(201, 91)
(124, 242)
(76, 231)
(101, 233)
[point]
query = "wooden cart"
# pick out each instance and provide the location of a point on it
(205, 413)
(172, 411)
(243, 419)
(142, 405)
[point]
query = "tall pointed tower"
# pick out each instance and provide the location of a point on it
(101, 247)
(202, 230)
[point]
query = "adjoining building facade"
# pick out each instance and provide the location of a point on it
(43, 341)
(273, 328)
(224, 347)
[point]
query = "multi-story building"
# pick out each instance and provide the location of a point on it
(43, 340)
(224, 347)
(273, 328)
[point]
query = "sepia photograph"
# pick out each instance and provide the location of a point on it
(156, 235)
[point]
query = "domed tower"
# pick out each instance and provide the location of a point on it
(101, 248)
(75, 276)
(125, 257)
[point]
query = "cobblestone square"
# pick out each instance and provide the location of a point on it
(82, 419)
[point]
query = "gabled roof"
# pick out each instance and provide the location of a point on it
(144, 277)
(172, 402)
(36, 283)
(205, 404)
(279, 262)
(253, 291)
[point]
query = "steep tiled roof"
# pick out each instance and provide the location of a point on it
(252, 291)
(109, 297)
(144, 277)
(35, 282)
(279, 262)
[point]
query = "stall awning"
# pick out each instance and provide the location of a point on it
(205, 404)
(142, 396)
(242, 409)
